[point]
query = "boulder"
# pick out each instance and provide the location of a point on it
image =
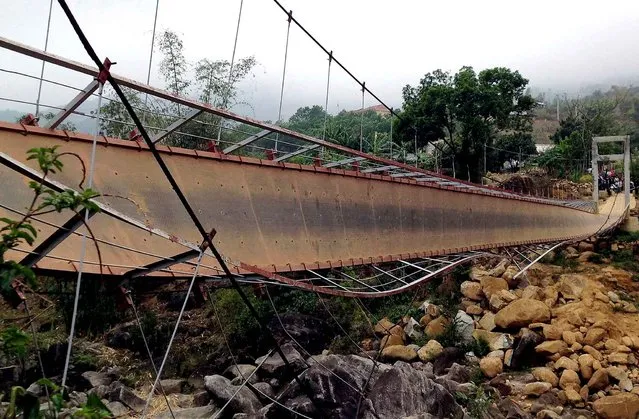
(384, 326)
(572, 396)
(471, 290)
(391, 340)
(430, 351)
(551, 332)
(437, 327)
(524, 348)
(585, 247)
(464, 325)
(496, 341)
(521, 313)
(117, 409)
(491, 366)
(571, 286)
(474, 310)
(619, 406)
(413, 329)
(399, 353)
(537, 388)
(619, 358)
(413, 393)
(491, 285)
(240, 372)
(274, 366)
(566, 363)
(585, 362)
(222, 391)
(334, 385)
(546, 375)
(569, 379)
(446, 359)
(127, 397)
(458, 373)
(569, 337)
(500, 269)
(201, 412)
(551, 347)
(532, 292)
(487, 322)
(95, 379)
(594, 336)
(509, 274)
(263, 391)
(172, 386)
(599, 380)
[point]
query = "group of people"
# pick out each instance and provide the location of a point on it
(611, 182)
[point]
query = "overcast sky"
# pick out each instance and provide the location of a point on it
(558, 44)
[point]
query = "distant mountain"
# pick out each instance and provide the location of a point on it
(81, 123)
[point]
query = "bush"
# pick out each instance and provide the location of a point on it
(585, 179)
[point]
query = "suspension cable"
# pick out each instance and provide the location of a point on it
(279, 112)
(83, 247)
(175, 329)
(230, 78)
(148, 73)
(46, 46)
(328, 84)
(148, 350)
(361, 120)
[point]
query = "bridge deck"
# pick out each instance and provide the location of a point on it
(276, 216)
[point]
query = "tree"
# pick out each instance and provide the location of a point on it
(216, 83)
(466, 111)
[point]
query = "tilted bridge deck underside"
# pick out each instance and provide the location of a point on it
(268, 216)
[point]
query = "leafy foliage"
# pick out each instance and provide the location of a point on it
(464, 112)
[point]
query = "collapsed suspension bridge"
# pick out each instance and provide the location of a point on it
(261, 219)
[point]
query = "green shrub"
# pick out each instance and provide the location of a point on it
(585, 179)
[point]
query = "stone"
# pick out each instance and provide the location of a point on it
(585, 247)
(398, 352)
(593, 352)
(594, 336)
(201, 398)
(425, 319)
(413, 329)
(566, 363)
(391, 340)
(508, 358)
(496, 354)
(524, 349)
(586, 256)
(500, 269)
(458, 373)
(572, 396)
(127, 397)
(447, 358)
(263, 391)
(413, 394)
(273, 365)
(77, 399)
(547, 414)
(551, 347)
(487, 322)
(626, 384)
(620, 406)
(117, 409)
(491, 285)
(599, 380)
(617, 373)
(618, 358)
(384, 326)
(430, 351)
(546, 375)
(95, 379)
(437, 326)
(537, 388)
(491, 366)
(585, 362)
(521, 313)
(471, 290)
(464, 325)
(497, 303)
(532, 292)
(552, 332)
(221, 390)
(172, 386)
(398, 330)
(613, 296)
(569, 378)
(569, 337)
(571, 286)
(200, 412)
(474, 310)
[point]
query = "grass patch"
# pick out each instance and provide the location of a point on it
(565, 262)
(477, 403)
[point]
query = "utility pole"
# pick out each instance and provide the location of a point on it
(484, 163)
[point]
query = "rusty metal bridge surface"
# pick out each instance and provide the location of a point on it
(286, 223)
